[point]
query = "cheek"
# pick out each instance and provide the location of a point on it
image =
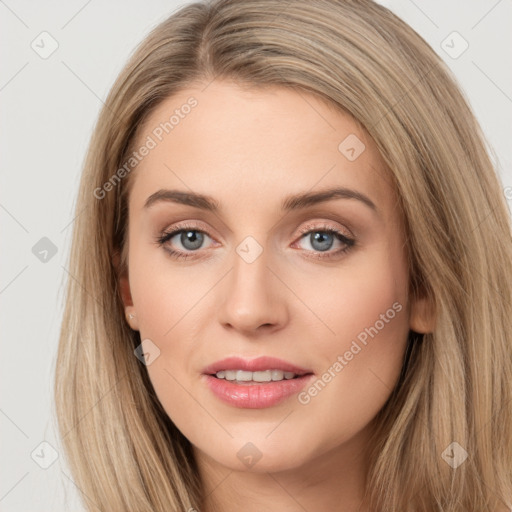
(366, 308)
(369, 298)
(170, 305)
(162, 293)
(167, 306)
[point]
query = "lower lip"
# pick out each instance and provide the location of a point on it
(255, 396)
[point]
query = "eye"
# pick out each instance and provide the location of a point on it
(190, 237)
(322, 238)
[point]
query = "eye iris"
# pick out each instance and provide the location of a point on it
(191, 236)
(321, 236)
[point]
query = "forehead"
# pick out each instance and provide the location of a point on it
(250, 147)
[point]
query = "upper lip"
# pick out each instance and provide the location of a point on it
(254, 365)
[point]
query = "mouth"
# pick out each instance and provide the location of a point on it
(255, 384)
(256, 395)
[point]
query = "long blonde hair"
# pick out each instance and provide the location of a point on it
(123, 450)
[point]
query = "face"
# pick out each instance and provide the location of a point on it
(320, 283)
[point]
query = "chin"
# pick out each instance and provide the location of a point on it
(259, 455)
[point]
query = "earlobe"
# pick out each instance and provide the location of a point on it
(131, 318)
(129, 308)
(422, 315)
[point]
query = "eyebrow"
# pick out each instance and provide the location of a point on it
(290, 203)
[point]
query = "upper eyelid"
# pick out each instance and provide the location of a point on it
(326, 226)
(196, 225)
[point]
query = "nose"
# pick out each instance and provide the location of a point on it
(253, 297)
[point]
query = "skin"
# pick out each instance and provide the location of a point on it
(249, 149)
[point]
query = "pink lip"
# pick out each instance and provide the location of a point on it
(255, 396)
(254, 365)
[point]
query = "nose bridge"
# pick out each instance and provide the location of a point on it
(252, 297)
(250, 265)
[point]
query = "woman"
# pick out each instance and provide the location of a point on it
(291, 274)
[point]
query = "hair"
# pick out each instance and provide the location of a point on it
(357, 56)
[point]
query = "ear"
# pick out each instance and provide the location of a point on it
(422, 315)
(126, 296)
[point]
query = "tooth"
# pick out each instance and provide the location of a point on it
(277, 374)
(262, 376)
(258, 376)
(230, 374)
(242, 375)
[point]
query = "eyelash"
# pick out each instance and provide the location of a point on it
(349, 242)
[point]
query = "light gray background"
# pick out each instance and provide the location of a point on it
(49, 107)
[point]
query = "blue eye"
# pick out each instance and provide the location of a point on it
(321, 239)
(191, 239)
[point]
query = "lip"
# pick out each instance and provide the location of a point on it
(254, 365)
(255, 396)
